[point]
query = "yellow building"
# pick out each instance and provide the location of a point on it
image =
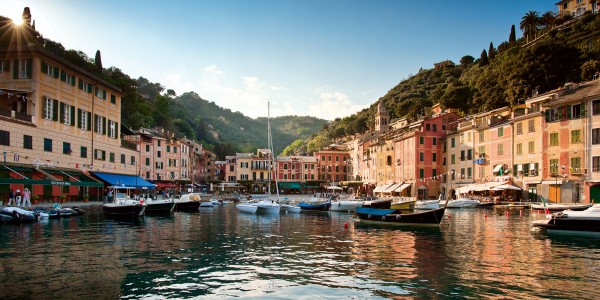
(577, 8)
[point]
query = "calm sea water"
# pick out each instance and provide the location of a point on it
(220, 253)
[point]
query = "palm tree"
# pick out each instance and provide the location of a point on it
(547, 19)
(529, 24)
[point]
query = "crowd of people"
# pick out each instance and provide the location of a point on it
(15, 198)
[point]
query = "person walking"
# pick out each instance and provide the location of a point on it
(18, 197)
(26, 197)
(11, 197)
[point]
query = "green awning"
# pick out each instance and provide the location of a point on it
(27, 176)
(290, 185)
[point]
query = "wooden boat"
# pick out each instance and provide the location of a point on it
(404, 205)
(315, 206)
(381, 203)
(393, 216)
(560, 206)
(586, 220)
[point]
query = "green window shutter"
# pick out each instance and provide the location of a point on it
(29, 68)
(63, 75)
(55, 72)
(104, 125)
(16, 69)
(61, 112)
(95, 122)
(80, 84)
(72, 115)
(103, 155)
(79, 118)
(89, 121)
(116, 130)
(44, 67)
(89, 88)
(569, 112)
(525, 169)
(73, 80)
(54, 110)
(547, 113)
(582, 108)
(104, 94)
(96, 91)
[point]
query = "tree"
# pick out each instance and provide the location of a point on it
(98, 60)
(512, 38)
(491, 51)
(466, 60)
(483, 61)
(547, 20)
(171, 93)
(589, 69)
(529, 24)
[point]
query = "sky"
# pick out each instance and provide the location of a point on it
(322, 58)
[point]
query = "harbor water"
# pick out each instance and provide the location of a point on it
(221, 253)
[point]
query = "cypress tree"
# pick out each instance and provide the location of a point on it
(483, 61)
(513, 36)
(491, 51)
(98, 60)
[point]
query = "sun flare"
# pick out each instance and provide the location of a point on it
(17, 20)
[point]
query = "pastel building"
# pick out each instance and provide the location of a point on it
(592, 142)
(577, 7)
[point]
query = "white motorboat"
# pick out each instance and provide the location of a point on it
(560, 206)
(188, 202)
(247, 208)
(288, 208)
(585, 220)
(122, 204)
(345, 205)
(427, 204)
(267, 207)
(461, 203)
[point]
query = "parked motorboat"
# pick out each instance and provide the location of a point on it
(345, 205)
(427, 204)
(159, 206)
(123, 205)
(188, 202)
(289, 208)
(267, 207)
(461, 203)
(315, 206)
(586, 220)
(560, 206)
(392, 216)
(13, 214)
(247, 207)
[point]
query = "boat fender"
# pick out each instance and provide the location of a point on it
(398, 217)
(141, 201)
(382, 218)
(369, 217)
(339, 204)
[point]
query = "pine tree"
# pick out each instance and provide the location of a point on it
(98, 60)
(513, 36)
(483, 61)
(491, 51)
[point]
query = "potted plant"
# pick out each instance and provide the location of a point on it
(86, 198)
(63, 198)
(35, 199)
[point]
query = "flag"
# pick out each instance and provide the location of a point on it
(546, 208)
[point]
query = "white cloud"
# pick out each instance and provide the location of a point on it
(333, 105)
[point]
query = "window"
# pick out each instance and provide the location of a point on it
(576, 111)
(48, 108)
(575, 164)
(469, 154)
(23, 69)
(596, 136)
(27, 142)
(67, 148)
(595, 163)
(174, 149)
(500, 131)
(469, 172)
(421, 140)
(65, 113)
(158, 142)
(462, 155)
(519, 149)
(596, 107)
(3, 66)
(421, 173)
(554, 139)
(531, 147)
(433, 172)
(147, 161)
(481, 151)
(85, 86)
(83, 152)
(452, 159)
(158, 153)
(553, 166)
(427, 127)
(500, 149)
(49, 70)
(434, 141)
(47, 145)
(531, 126)
(113, 99)
(452, 142)
(84, 119)
(421, 156)
(434, 127)
(67, 78)
(99, 124)
(111, 157)
(100, 154)
(482, 136)
(147, 148)
(112, 129)
(100, 93)
(4, 138)
(168, 148)
(123, 158)
(434, 157)
(468, 136)
(520, 128)
(329, 158)
(575, 136)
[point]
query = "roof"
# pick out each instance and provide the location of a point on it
(124, 180)
(576, 92)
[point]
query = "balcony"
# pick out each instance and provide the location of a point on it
(11, 114)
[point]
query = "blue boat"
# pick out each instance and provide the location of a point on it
(315, 206)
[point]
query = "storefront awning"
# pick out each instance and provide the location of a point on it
(289, 185)
(164, 184)
(381, 188)
(124, 180)
(392, 187)
(24, 175)
(402, 187)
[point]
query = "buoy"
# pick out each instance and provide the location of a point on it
(485, 216)
(520, 212)
(346, 225)
(449, 216)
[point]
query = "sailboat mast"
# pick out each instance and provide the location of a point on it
(270, 146)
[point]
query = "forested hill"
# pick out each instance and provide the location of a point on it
(552, 52)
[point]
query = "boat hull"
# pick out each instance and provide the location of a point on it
(569, 224)
(188, 206)
(247, 208)
(315, 207)
(383, 204)
(560, 207)
(159, 208)
(407, 205)
(124, 210)
(462, 203)
(286, 208)
(392, 216)
(345, 205)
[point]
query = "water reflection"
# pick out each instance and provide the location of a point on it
(220, 252)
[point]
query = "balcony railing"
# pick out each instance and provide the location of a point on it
(15, 115)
